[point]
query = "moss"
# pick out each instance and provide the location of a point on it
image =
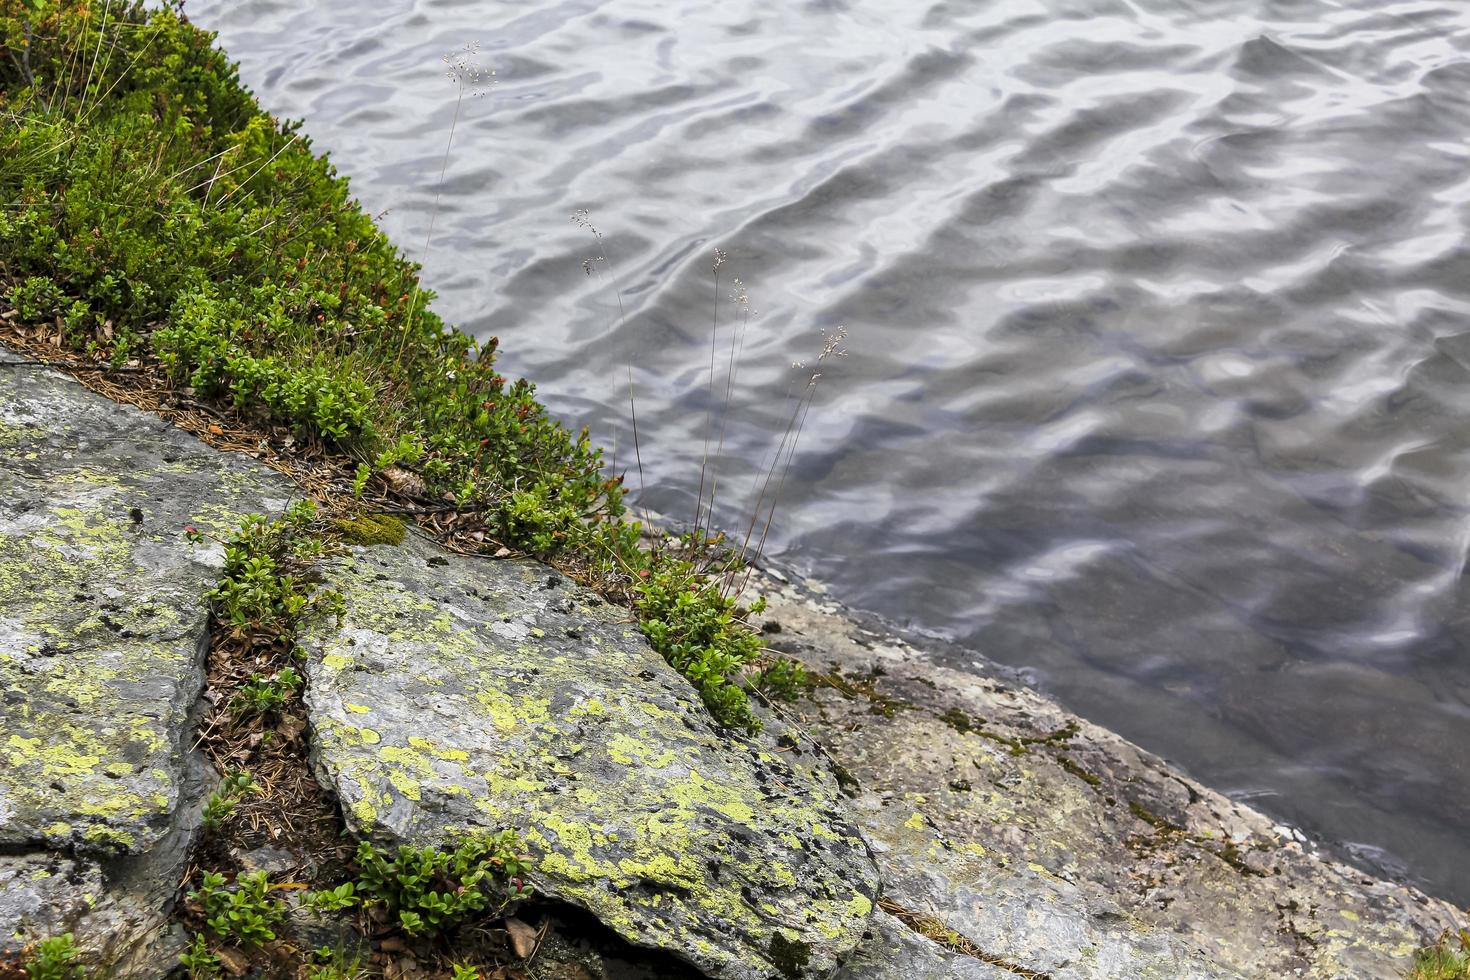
(1066, 763)
(959, 721)
(1161, 825)
(370, 529)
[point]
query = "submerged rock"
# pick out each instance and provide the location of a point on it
(103, 634)
(464, 693)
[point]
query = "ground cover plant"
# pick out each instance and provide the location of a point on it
(1449, 959)
(153, 219)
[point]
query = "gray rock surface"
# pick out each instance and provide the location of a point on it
(896, 952)
(1062, 848)
(102, 640)
(466, 693)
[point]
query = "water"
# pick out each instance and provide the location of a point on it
(1157, 383)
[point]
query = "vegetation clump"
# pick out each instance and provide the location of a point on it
(1449, 959)
(55, 959)
(370, 529)
(247, 914)
(233, 788)
(429, 891)
(155, 219)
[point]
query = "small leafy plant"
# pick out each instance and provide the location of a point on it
(262, 589)
(430, 891)
(335, 964)
(701, 633)
(247, 914)
(784, 679)
(200, 960)
(261, 695)
(324, 900)
(233, 788)
(56, 959)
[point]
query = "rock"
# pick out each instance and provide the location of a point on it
(1024, 916)
(896, 952)
(466, 693)
(1059, 846)
(103, 633)
(523, 938)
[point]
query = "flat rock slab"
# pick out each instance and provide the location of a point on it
(464, 693)
(1060, 847)
(103, 634)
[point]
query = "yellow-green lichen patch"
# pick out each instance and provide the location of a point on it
(584, 741)
(102, 617)
(75, 737)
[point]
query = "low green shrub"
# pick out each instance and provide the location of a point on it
(199, 960)
(56, 959)
(233, 788)
(429, 891)
(261, 695)
(262, 589)
(247, 914)
(327, 900)
(784, 679)
(336, 964)
(700, 632)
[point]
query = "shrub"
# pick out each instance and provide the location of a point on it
(698, 630)
(246, 914)
(200, 960)
(784, 678)
(260, 695)
(55, 959)
(430, 891)
(221, 803)
(326, 900)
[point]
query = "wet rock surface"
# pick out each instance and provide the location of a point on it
(464, 693)
(103, 633)
(1061, 848)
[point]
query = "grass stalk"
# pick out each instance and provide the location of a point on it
(582, 218)
(96, 55)
(741, 299)
(466, 73)
(710, 403)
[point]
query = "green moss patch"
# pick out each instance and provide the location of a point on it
(370, 529)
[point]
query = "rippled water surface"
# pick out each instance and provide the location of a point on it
(1157, 381)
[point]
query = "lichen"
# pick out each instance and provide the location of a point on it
(624, 809)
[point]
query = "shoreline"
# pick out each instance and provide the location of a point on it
(1011, 838)
(390, 685)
